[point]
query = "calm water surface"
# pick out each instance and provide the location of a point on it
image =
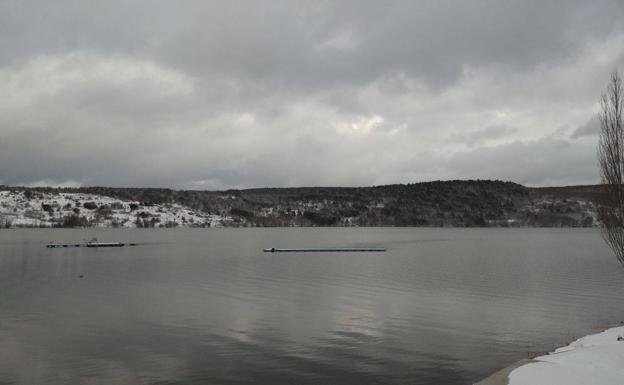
(442, 306)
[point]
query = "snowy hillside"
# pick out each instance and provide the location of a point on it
(476, 203)
(41, 209)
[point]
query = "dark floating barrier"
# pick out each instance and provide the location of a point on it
(92, 243)
(327, 250)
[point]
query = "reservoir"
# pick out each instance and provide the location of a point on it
(208, 306)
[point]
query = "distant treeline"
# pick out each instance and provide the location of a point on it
(438, 203)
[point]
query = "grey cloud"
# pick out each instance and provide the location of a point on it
(591, 128)
(487, 133)
(547, 161)
(279, 41)
(433, 41)
(243, 94)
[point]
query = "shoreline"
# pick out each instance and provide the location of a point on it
(501, 377)
(593, 340)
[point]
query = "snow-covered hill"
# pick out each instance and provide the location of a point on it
(467, 203)
(40, 209)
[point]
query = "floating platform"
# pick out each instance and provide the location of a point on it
(99, 244)
(91, 243)
(327, 250)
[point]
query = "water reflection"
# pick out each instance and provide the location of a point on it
(207, 306)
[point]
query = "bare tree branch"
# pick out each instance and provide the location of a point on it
(611, 162)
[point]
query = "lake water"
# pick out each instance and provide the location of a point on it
(207, 306)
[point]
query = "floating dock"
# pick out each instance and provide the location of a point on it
(327, 250)
(92, 243)
(99, 244)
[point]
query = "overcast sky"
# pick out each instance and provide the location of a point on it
(231, 94)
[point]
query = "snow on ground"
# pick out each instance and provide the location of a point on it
(40, 209)
(595, 359)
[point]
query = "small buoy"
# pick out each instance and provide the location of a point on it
(81, 276)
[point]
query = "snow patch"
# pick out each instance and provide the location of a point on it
(43, 209)
(594, 359)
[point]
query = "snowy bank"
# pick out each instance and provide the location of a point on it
(594, 359)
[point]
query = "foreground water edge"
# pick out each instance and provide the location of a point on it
(193, 306)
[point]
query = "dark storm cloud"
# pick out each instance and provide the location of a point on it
(219, 94)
